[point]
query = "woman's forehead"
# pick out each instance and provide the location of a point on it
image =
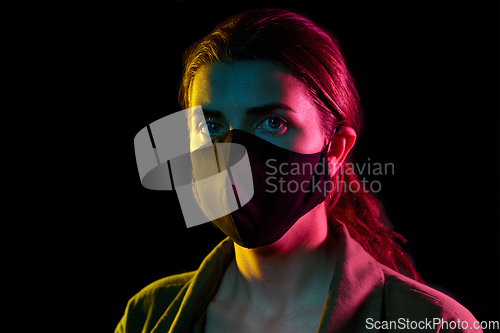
(245, 84)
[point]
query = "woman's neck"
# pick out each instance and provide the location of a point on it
(289, 274)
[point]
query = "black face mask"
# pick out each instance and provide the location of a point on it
(286, 186)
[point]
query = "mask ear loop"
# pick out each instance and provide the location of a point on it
(338, 184)
(329, 143)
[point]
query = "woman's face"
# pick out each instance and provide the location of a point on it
(259, 97)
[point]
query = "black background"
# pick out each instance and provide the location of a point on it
(427, 74)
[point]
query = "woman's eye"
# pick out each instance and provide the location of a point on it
(273, 124)
(213, 128)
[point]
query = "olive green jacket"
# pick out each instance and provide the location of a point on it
(364, 296)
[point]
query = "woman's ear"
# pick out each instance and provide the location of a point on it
(341, 145)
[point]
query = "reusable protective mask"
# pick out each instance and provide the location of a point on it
(286, 186)
(253, 190)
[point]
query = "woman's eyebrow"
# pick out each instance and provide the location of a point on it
(268, 108)
(256, 110)
(208, 113)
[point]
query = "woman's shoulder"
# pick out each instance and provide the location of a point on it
(412, 300)
(146, 307)
(160, 289)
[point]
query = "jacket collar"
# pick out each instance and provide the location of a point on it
(356, 291)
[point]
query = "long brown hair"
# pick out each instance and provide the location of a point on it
(314, 56)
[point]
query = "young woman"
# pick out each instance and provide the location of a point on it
(307, 260)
